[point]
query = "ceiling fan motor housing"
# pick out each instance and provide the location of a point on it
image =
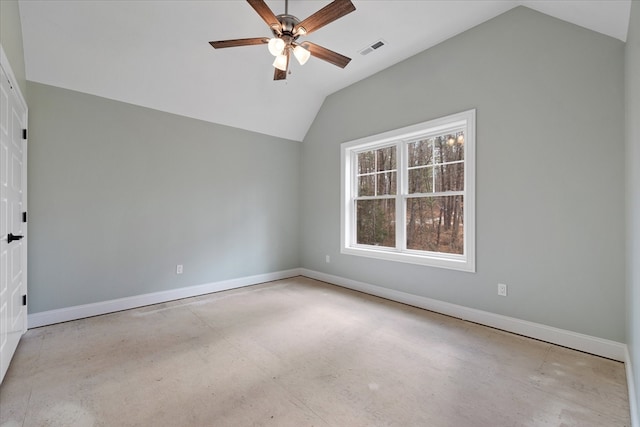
(287, 26)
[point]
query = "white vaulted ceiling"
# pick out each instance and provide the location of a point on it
(155, 53)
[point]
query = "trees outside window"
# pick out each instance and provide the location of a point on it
(408, 195)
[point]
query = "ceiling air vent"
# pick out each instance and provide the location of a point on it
(373, 46)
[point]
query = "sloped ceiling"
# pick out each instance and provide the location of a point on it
(156, 53)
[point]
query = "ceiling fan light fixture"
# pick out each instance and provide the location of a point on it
(286, 30)
(301, 54)
(280, 62)
(276, 46)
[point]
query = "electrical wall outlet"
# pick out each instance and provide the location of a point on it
(502, 289)
(179, 269)
(327, 258)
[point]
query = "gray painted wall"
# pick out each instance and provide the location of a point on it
(550, 178)
(11, 39)
(120, 194)
(633, 190)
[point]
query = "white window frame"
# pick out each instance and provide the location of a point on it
(465, 121)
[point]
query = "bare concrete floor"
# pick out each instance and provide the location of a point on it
(301, 353)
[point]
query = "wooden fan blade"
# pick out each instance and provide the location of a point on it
(326, 54)
(329, 13)
(239, 42)
(265, 13)
(279, 74)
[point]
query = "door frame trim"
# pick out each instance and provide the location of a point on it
(4, 62)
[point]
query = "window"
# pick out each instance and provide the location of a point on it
(409, 195)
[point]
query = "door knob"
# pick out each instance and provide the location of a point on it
(11, 238)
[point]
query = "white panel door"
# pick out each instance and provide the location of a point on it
(13, 231)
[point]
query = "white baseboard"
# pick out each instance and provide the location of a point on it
(598, 346)
(87, 310)
(633, 400)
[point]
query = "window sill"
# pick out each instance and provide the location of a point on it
(458, 263)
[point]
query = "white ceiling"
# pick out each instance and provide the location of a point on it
(155, 53)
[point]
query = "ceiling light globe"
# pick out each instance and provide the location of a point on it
(280, 62)
(276, 46)
(301, 54)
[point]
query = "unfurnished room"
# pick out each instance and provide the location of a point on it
(319, 213)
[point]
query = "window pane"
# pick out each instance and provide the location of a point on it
(421, 180)
(376, 222)
(366, 185)
(456, 177)
(386, 158)
(449, 177)
(386, 183)
(420, 152)
(449, 148)
(366, 162)
(436, 224)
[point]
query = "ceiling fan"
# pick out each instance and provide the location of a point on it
(287, 29)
